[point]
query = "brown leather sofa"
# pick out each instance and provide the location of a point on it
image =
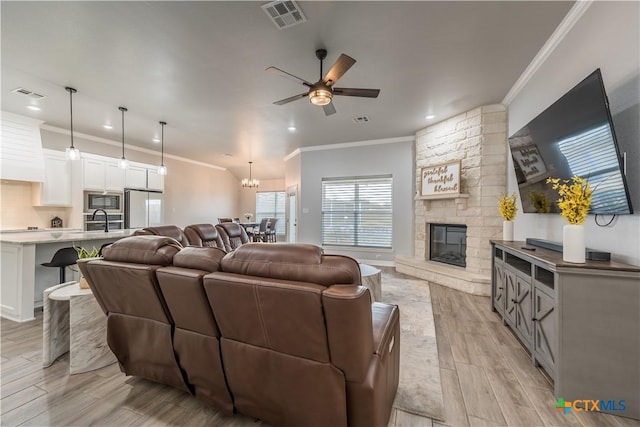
(227, 236)
(280, 332)
(233, 235)
(204, 235)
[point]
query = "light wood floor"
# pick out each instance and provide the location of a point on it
(487, 380)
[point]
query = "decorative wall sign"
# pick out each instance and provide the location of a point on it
(530, 161)
(440, 179)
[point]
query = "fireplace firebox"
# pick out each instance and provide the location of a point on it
(448, 244)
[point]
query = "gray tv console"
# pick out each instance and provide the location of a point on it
(579, 322)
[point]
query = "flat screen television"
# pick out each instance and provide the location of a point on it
(574, 136)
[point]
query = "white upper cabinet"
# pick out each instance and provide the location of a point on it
(56, 188)
(155, 181)
(136, 177)
(102, 175)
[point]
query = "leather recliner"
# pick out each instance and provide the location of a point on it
(233, 235)
(172, 231)
(139, 324)
(204, 235)
(301, 343)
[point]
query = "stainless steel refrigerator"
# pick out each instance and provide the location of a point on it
(143, 208)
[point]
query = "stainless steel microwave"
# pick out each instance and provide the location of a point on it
(110, 202)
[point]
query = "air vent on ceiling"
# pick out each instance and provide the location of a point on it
(27, 92)
(361, 119)
(284, 14)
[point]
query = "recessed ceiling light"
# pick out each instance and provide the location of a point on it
(292, 128)
(156, 140)
(429, 117)
(33, 108)
(107, 126)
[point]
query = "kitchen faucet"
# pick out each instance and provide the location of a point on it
(106, 219)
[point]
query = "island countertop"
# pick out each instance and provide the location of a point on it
(62, 236)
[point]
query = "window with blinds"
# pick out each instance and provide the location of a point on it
(357, 212)
(590, 155)
(271, 204)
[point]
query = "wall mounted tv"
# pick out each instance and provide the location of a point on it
(574, 136)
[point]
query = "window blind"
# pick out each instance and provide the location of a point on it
(271, 204)
(357, 212)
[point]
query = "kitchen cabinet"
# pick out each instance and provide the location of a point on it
(56, 188)
(102, 175)
(579, 322)
(155, 181)
(135, 177)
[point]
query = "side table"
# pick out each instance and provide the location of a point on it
(372, 279)
(74, 322)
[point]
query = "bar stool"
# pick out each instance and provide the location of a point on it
(62, 259)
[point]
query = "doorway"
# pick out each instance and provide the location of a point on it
(292, 209)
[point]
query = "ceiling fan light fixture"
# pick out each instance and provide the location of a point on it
(320, 96)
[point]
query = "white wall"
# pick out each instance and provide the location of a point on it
(193, 193)
(607, 36)
(395, 158)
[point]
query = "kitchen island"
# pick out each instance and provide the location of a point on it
(23, 279)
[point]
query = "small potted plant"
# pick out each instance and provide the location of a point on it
(248, 216)
(84, 253)
(507, 207)
(574, 204)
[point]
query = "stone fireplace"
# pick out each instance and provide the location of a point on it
(478, 139)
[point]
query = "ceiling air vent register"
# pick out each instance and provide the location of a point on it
(284, 14)
(360, 119)
(27, 92)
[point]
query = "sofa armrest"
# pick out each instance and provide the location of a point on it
(349, 329)
(385, 322)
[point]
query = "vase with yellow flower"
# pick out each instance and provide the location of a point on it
(574, 204)
(508, 208)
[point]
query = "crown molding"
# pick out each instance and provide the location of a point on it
(350, 145)
(129, 147)
(578, 9)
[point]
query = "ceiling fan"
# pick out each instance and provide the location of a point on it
(322, 92)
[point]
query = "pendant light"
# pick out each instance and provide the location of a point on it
(250, 183)
(123, 161)
(72, 153)
(162, 169)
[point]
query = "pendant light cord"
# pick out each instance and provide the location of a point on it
(123, 109)
(71, 113)
(162, 124)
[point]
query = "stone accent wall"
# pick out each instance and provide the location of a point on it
(478, 139)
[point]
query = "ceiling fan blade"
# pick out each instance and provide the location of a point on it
(329, 109)
(347, 91)
(339, 68)
(292, 98)
(282, 73)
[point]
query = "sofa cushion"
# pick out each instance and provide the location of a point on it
(153, 250)
(199, 258)
(169, 231)
(292, 261)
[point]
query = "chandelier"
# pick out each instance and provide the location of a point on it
(250, 183)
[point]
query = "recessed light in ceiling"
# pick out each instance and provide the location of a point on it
(429, 117)
(33, 108)
(292, 128)
(156, 140)
(107, 126)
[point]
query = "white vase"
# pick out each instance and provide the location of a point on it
(507, 230)
(573, 246)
